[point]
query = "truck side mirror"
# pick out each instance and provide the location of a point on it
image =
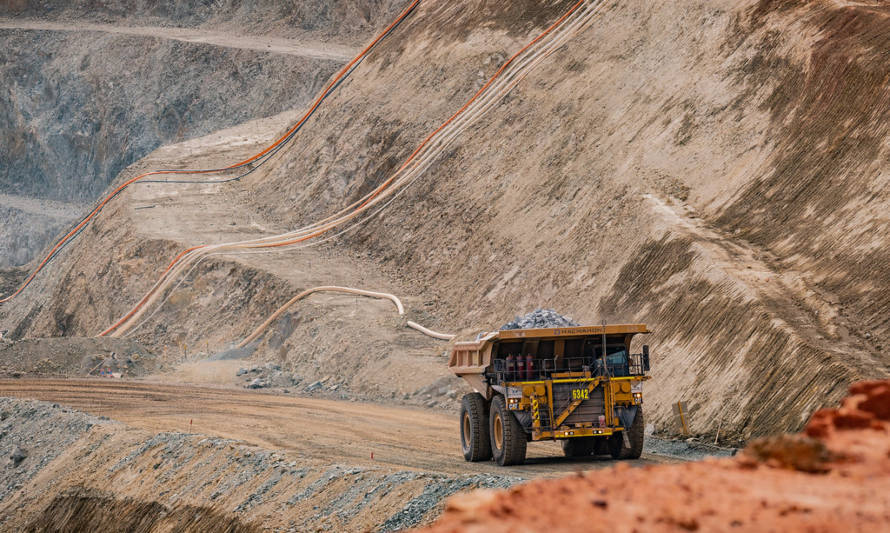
(645, 358)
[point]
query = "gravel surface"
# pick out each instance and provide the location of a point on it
(242, 478)
(437, 489)
(689, 450)
(31, 435)
(300, 485)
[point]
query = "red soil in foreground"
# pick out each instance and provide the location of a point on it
(835, 477)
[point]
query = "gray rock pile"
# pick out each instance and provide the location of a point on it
(540, 318)
(18, 455)
(324, 495)
(443, 393)
(437, 489)
(267, 376)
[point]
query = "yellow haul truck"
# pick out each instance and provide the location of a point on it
(579, 385)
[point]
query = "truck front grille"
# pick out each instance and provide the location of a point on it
(588, 412)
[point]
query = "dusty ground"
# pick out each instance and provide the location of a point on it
(321, 430)
(75, 357)
(716, 171)
(838, 481)
(350, 21)
(277, 45)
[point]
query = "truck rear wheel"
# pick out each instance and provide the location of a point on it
(579, 446)
(474, 439)
(508, 439)
(634, 435)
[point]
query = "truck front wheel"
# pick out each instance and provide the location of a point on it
(508, 439)
(474, 439)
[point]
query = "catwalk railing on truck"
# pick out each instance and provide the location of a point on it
(579, 385)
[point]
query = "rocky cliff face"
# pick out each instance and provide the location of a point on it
(350, 21)
(27, 224)
(81, 106)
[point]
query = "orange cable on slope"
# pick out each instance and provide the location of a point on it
(475, 96)
(357, 207)
(380, 188)
(247, 161)
(445, 124)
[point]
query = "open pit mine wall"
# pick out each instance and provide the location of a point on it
(349, 21)
(646, 172)
(80, 106)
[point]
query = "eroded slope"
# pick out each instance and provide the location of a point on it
(636, 176)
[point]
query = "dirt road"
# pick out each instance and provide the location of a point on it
(343, 432)
(276, 45)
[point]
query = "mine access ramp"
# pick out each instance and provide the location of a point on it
(579, 385)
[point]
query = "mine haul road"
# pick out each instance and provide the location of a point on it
(344, 432)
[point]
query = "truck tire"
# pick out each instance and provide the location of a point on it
(508, 439)
(634, 435)
(579, 446)
(474, 439)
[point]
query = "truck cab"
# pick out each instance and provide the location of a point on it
(579, 385)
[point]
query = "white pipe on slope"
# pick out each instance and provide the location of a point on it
(349, 290)
(431, 333)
